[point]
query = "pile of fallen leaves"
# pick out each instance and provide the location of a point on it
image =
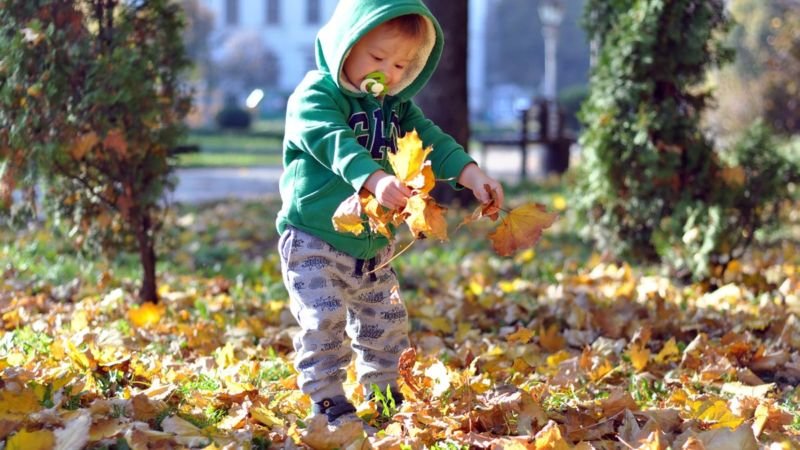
(592, 355)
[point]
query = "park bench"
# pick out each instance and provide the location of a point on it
(534, 128)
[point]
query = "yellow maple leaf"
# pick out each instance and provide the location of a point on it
(17, 405)
(600, 370)
(669, 352)
(347, 217)
(550, 438)
(265, 416)
(407, 162)
(521, 228)
(31, 440)
(379, 217)
(639, 355)
(715, 412)
(146, 314)
(425, 217)
(523, 335)
(557, 358)
(425, 181)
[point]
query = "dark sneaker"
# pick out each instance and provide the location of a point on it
(340, 412)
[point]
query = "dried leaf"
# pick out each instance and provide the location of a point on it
(83, 144)
(521, 228)
(115, 141)
(522, 335)
(716, 413)
(669, 352)
(31, 440)
(425, 218)
(320, 436)
(185, 433)
(405, 367)
(549, 438)
(551, 338)
(146, 314)
(425, 181)
(490, 210)
(407, 162)
(740, 438)
(75, 433)
(348, 216)
(639, 356)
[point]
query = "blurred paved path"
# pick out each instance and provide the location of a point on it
(202, 185)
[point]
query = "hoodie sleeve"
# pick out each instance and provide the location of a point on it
(317, 124)
(448, 158)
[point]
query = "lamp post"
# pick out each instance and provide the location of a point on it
(551, 14)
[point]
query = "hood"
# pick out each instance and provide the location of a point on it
(352, 19)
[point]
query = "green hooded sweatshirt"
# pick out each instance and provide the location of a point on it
(336, 136)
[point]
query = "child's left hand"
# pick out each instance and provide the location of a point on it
(475, 179)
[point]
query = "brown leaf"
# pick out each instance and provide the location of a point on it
(618, 401)
(551, 338)
(406, 366)
(320, 436)
(521, 228)
(489, 210)
(115, 141)
(83, 144)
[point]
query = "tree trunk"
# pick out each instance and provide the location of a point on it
(444, 99)
(147, 256)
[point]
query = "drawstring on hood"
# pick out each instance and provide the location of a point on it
(352, 19)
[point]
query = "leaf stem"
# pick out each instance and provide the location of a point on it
(387, 262)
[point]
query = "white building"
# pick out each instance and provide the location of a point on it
(288, 28)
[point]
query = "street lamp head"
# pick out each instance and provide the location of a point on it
(551, 12)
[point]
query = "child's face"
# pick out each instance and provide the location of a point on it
(382, 49)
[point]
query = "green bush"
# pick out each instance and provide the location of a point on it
(652, 187)
(92, 97)
(755, 180)
(233, 118)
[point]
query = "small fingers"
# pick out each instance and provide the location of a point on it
(498, 189)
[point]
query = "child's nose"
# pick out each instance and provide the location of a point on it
(392, 74)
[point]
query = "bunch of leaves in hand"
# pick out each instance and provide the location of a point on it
(421, 213)
(520, 228)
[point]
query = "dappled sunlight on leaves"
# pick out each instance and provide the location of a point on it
(552, 349)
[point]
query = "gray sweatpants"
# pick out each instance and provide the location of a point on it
(333, 297)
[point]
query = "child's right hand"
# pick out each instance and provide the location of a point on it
(388, 190)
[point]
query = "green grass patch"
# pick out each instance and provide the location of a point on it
(235, 143)
(206, 159)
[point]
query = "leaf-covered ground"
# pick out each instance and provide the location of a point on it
(551, 349)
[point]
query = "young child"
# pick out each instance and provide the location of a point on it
(341, 120)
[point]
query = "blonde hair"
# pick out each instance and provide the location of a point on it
(409, 25)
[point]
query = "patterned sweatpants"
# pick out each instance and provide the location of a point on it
(341, 309)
